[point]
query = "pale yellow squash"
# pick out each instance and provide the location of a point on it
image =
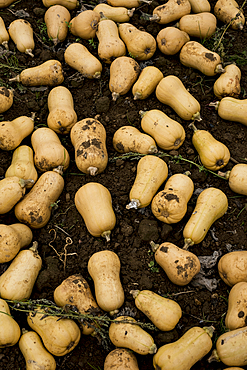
(199, 6)
(141, 45)
(167, 132)
(69, 4)
(179, 264)
(12, 239)
(186, 351)
(110, 45)
(129, 139)
(232, 109)
(79, 57)
(62, 115)
(213, 153)
(202, 25)
(195, 55)
(121, 359)
(171, 39)
(22, 165)
(211, 204)
(21, 32)
(13, 132)
(75, 291)
(4, 35)
(228, 84)
(49, 152)
(36, 207)
(171, 11)
(59, 336)
(5, 3)
(85, 24)
(115, 13)
(6, 99)
(171, 91)
(237, 177)
(146, 83)
(35, 354)
(10, 331)
(104, 269)
(123, 74)
(232, 267)
(151, 172)
(49, 73)
(93, 201)
(88, 137)
(124, 333)
(163, 312)
(57, 18)
(237, 310)
(17, 282)
(170, 204)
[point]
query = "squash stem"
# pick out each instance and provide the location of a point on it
(15, 79)
(209, 330)
(92, 170)
(192, 125)
(134, 203)
(142, 113)
(153, 149)
(188, 243)
(115, 95)
(196, 117)
(24, 331)
(135, 293)
(97, 75)
(154, 17)
(138, 96)
(226, 174)
(34, 247)
(5, 44)
(215, 105)
(214, 357)
(59, 170)
(106, 234)
(29, 52)
(23, 183)
(219, 69)
(153, 349)
(154, 246)
(130, 12)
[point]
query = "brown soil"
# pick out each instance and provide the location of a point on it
(134, 228)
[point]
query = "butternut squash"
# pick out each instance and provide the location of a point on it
(4, 35)
(171, 39)
(13, 132)
(12, 239)
(34, 352)
(79, 57)
(171, 11)
(22, 165)
(12, 190)
(59, 336)
(85, 24)
(17, 282)
(10, 330)
(88, 137)
(123, 74)
(129, 139)
(121, 359)
(125, 333)
(21, 32)
(200, 6)
(93, 201)
(6, 99)
(104, 269)
(115, 13)
(232, 109)
(110, 45)
(49, 153)
(237, 177)
(146, 83)
(171, 91)
(151, 172)
(211, 204)
(179, 264)
(170, 204)
(163, 312)
(232, 267)
(35, 208)
(230, 348)
(141, 45)
(228, 84)
(186, 351)
(49, 73)
(69, 4)
(62, 115)
(167, 132)
(213, 154)
(195, 55)
(75, 291)
(201, 25)
(237, 310)
(57, 18)
(228, 11)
